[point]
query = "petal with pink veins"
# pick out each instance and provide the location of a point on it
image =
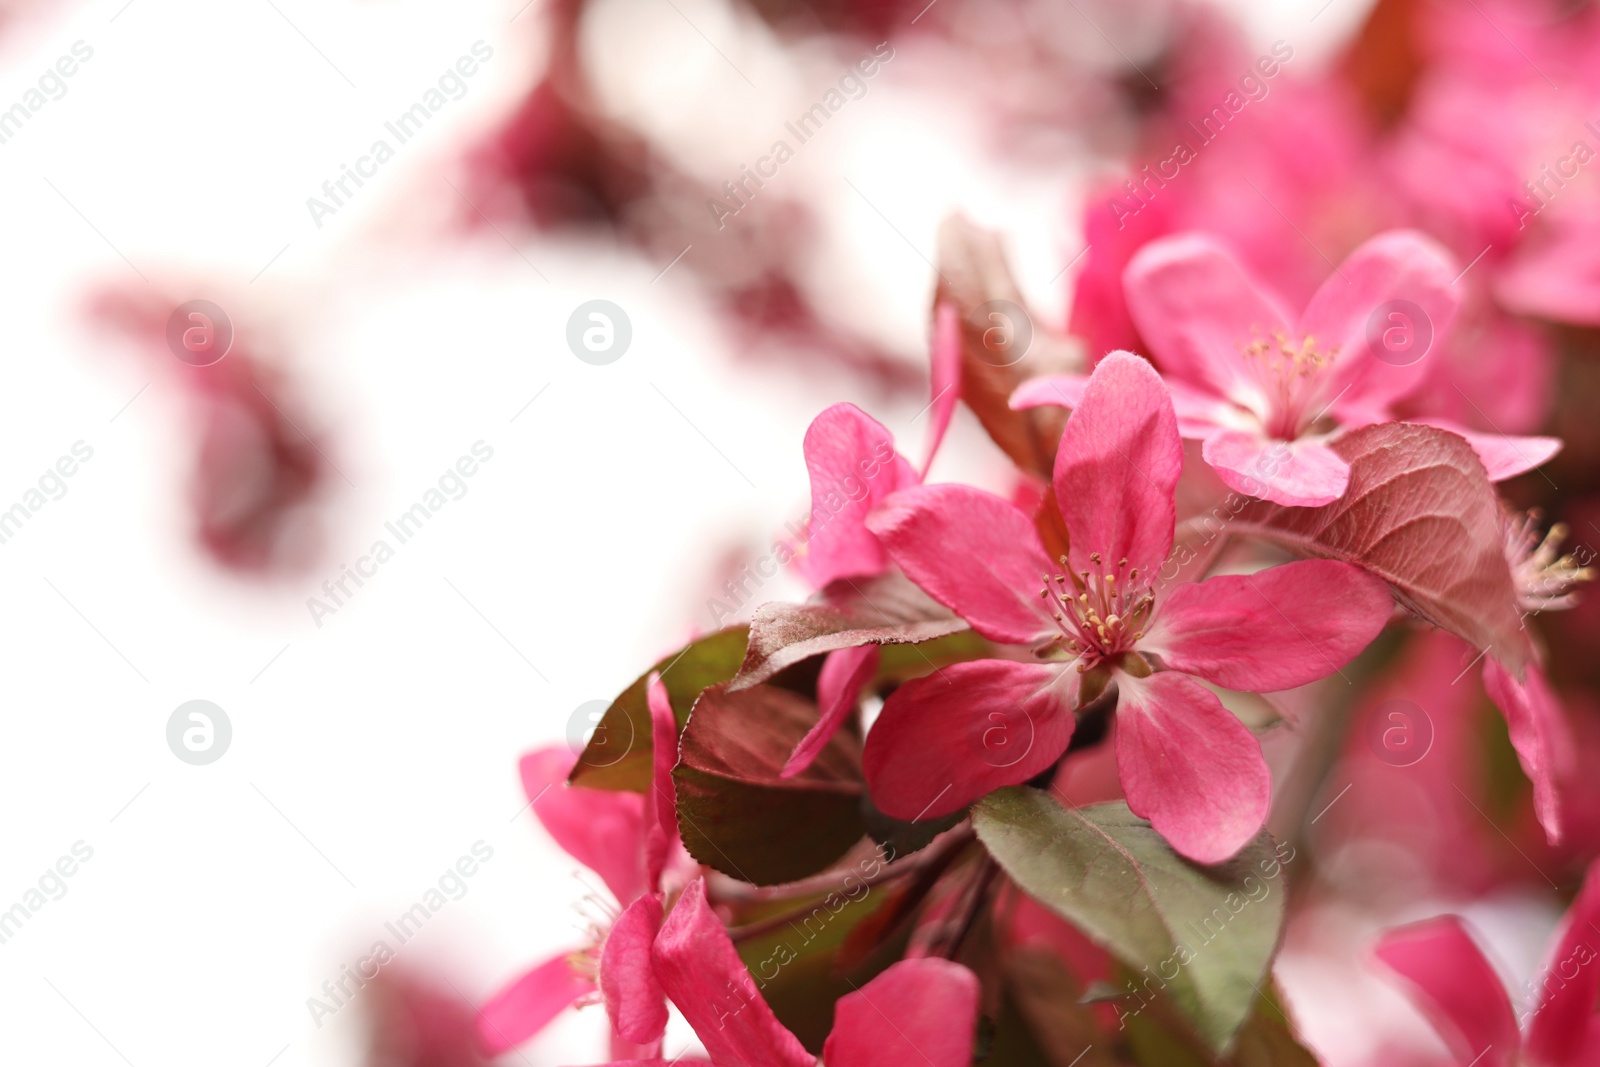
(1563, 1004)
(527, 1005)
(1540, 734)
(1456, 988)
(1189, 766)
(947, 739)
(1503, 455)
(1197, 307)
(1296, 474)
(1276, 629)
(853, 466)
(973, 552)
(601, 829)
(634, 1000)
(918, 1013)
(1117, 468)
(1400, 265)
(703, 975)
(839, 685)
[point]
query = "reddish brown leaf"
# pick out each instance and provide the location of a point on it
(886, 610)
(1421, 514)
(973, 277)
(1385, 60)
(737, 815)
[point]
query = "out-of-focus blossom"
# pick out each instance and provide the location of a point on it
(1462, 995)
(414, 1023)
(628, 840)
(1266, 391)
(257, 475)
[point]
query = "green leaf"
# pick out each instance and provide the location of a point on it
(885, 610)
(901, 663)
(618, 755)
(736, 814)
(1204, 935)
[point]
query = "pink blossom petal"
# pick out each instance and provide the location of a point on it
(853, 466)
(1117, 468)
(1196, 307)
(1456, 989)
(1401, 265)
(663, 833)
(944, 378)
(1504, 456)
(1200, 413)
(918, 1013)
(703, 975)
(1297, 474)
(1540, 734)
(527, 1005)
(1189, 766)
(1275, 629)
(602, 829)
(964, 731)
(844, 673)
(634, 1000)
(1557, 277)
(973, 552)
(1563, 1003)
(1050, 390)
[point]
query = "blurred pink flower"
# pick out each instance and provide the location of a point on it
(1266, 392)
(1458, 989)
(626, 839)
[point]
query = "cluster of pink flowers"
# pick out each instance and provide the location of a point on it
(1064, 720)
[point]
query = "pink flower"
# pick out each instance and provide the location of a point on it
(1458, 989)
(854, 467)
(626, 839)
(918, 1013)
(1265, 391)
(1538, 725)
(1186, 763)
